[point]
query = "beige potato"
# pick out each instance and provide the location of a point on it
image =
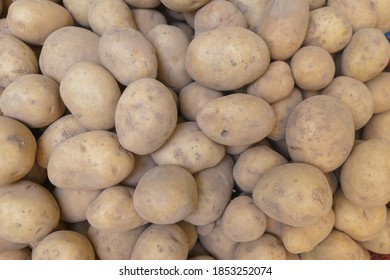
(251, 165)
(64, 245)
(143, 3)
(91, 94)
(16, 58)
(18, 254)
(242, 57)
(17, 150)
(365, 177)
(191, 233)
(147, 19)
(65, 47)
(189, 148)
(283, 27)
(266, 247)
(4, 26)
(148, 109)
(366, 55)
(28, 212)
(252, 10)
(382, 17)
(39, 97)
(161, 242)
(236, 119)
(379, 88)
(56, 133)
(296, 194)
(186, 28)
(380, 242)
(205, 229)
(100, 163)
(6, 245)
(142, 164)
(105, 15)
(375, 128)
(315, 4)
(274, 227)
(356, 95)
(320, 131)
(128, 55)
(183, 5)
(34, 20)
(79, 10)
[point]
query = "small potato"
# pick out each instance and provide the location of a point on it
(143, 3)
(79, 10)
(91, 94)
(113, 210)
(100, 162)
(190, 148)
(252, 10)
(380, 242)
(382, 17)
(379, 88)
(18, 254)
(64, 245)
(28, 212)
(147, 19)
(34, 20)
(39, 97)
(375, 127)
(313, 68)
(183, 5)
(161, 242)
(315, 4)
(148, 109)
(17, 150)
(142, 164)
(267, 247)
(128, 55)
(236, 119)
(105, 15)
(296, 194)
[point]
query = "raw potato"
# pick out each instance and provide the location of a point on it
(189, 148)
(296, 194)
(242, 57)
(17, 150)
(100, 163)
(315, 4)
(143, 3)
(252, 10)
(28, 212)
(147, 19)
(39, 97)
(64, 245)
(191, 233)
(148, 109)
(142, 164)
(128, 55)
(379, 88)
(161, 242)
(236, 119)
(310, 133)
(383, 20)
(380, 242)
(183, 5)
(79, 10)
(274, 227)
(34, 20)
(375, 127)
(91, 94)
(19, 254)
(205, 229)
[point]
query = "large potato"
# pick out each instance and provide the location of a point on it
(379, 88)
(380, 242)
(227, 58)
(376, 127)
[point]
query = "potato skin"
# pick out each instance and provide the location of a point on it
(374, 127)
(379, 87)
(380, 242)
(79, 10)
(183, 5)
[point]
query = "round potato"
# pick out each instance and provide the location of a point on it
(79, 10)
(28, 212)
(296, 194)
(380, 242)
(231, 65)
(183, 5)
(379, 88)
(375, 127)
(147, 19)
(382, 17)
(142, 164)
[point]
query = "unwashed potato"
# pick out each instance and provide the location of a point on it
(375, 127)
(64, 245)
(79, 10)
(382, 17)
(28, 212)
(252, 10)
(143, 3)
(142, 164)
(379, 87)
(183, 5)
(18, 254)
(147, 19)
(380, 242)
(315, 4)
(6, 245)
(274, 227)
(191, 233)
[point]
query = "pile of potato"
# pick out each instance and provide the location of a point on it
(181, 129)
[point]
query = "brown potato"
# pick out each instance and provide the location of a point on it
(79, 10)
(380, 242)
(18, 254)
(379, 88)
(375, 127)
(142, 164)
(147, 19)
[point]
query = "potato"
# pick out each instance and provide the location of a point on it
(59, 131)
(16, 59)
(114, 210)
(105, 15)
(266, 247)
(313, 68)
(114, 245)
(143, 3)
(240, 213)
(215, 187)
(375, 127)
(65, 47)
(183, 5)
(337, 246)
(366, 55)
(251, 165)
(303, 239)
(34, 20)
(274, 227)
(315, 4)
(6, 245)
(170, 44)
(382, 17)
(73, 203)
(238, 63)
(18, 254)
(296, 194)
(161, 242)
(236, 119)
(4, 26)
(17, 150)
(91, 94)
(329, 29)
(64, 245)
(190, 148)
(252, 10)
(142, 164)
(380, 92)
(147, 19)
(205, 229)
(320, 131)
(356, 95)
(283, 27)
(380, 242)
(148, 109)
(166, 194)
(39, 97)
(91, 160)
(28, 212)
(365, 177)
(128, 55)
(79, 10)
(191, 233)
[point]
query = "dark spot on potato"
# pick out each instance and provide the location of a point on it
(224, 133)
(17, 139)
(83, 149)
(233, 63)
(114, 170)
